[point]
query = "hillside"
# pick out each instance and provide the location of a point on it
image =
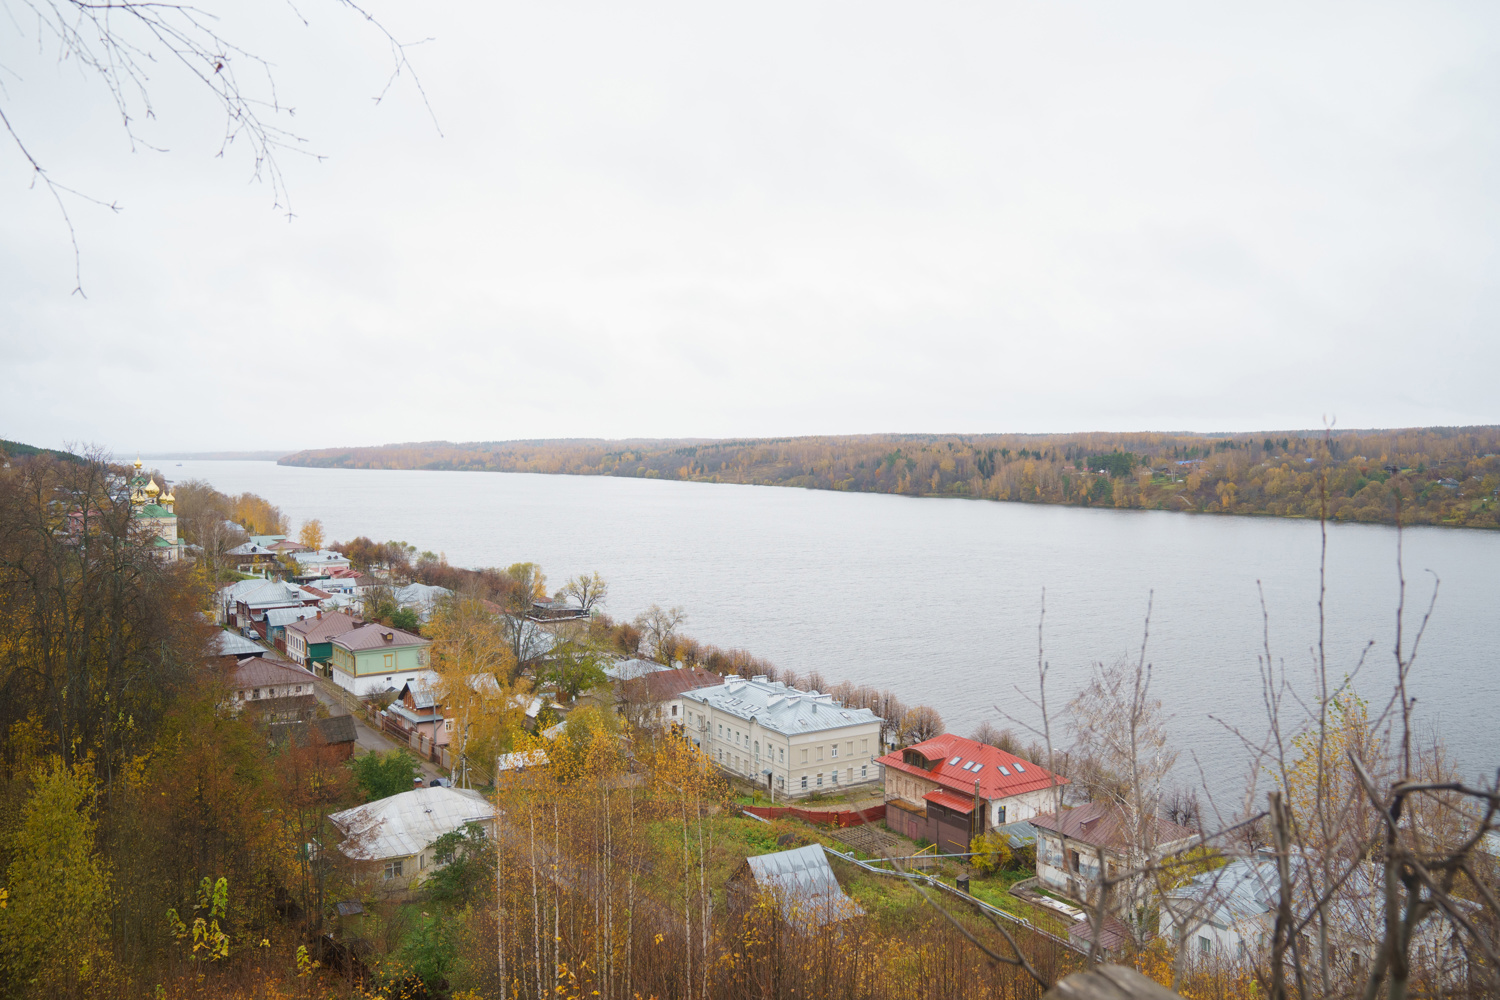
(15, 449)
(1439, 475)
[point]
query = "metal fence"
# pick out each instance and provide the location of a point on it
(952, 891)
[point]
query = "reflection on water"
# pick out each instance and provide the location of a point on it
(939, 599)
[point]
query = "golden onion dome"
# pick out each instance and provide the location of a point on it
(169, 498)
(137, 463)
(136, 497)
(152, 489)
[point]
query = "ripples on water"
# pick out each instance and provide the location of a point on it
(939, 599)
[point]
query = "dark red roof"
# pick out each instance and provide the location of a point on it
(665, 685)
(376, 636)
(950, 801)
(323, 629)
(1020, 775)
(259, 672)
(1105, 825)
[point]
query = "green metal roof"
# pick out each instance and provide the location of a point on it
(155, 510)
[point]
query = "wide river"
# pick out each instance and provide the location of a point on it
(939, 599)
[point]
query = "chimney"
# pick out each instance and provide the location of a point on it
(320, 614)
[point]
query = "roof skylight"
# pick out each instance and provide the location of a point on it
(955, 760)
(1019, 768)
(1003, 770)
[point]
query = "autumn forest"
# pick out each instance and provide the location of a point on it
(1446, 476)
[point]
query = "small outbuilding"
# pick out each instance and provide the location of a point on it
(801, 884)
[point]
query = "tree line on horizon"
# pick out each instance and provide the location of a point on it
(1448, 476)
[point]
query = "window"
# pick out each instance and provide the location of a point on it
(421, 861)
(721, 732)
(864, 771)
(781, 754)
(834, 776)
(1204, 945)
(390, 661)
(804, 755)
(256, 694)
(674, 709)
(392, 870)
(757, 748)
(820, 779)
(835, 750)
(447, 725)
(999, 815)
(804, 782)
(1072, 861)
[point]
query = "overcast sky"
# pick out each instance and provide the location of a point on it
(702, 220)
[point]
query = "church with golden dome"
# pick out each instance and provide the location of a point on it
(153, 511)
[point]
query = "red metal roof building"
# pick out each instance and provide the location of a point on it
(933, 787)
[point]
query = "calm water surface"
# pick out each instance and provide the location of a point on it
(939, 599)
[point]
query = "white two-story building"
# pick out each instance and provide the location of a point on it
(806, 740)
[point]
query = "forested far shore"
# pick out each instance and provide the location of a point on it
(1433, 475)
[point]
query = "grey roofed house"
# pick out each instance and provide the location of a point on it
(802, 884)
(629, 670)
(250, 549)
(286, 616)
(779, 708)
(1242, 890)
(275, 593)
(404, 824)
(421, 598)
(236, 645)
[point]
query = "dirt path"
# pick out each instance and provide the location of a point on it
(366, 737)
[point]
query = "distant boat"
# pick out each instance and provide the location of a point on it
(179, 465)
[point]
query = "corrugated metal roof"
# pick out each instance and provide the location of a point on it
(404, 824)
(804, 885)
(950, 801)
